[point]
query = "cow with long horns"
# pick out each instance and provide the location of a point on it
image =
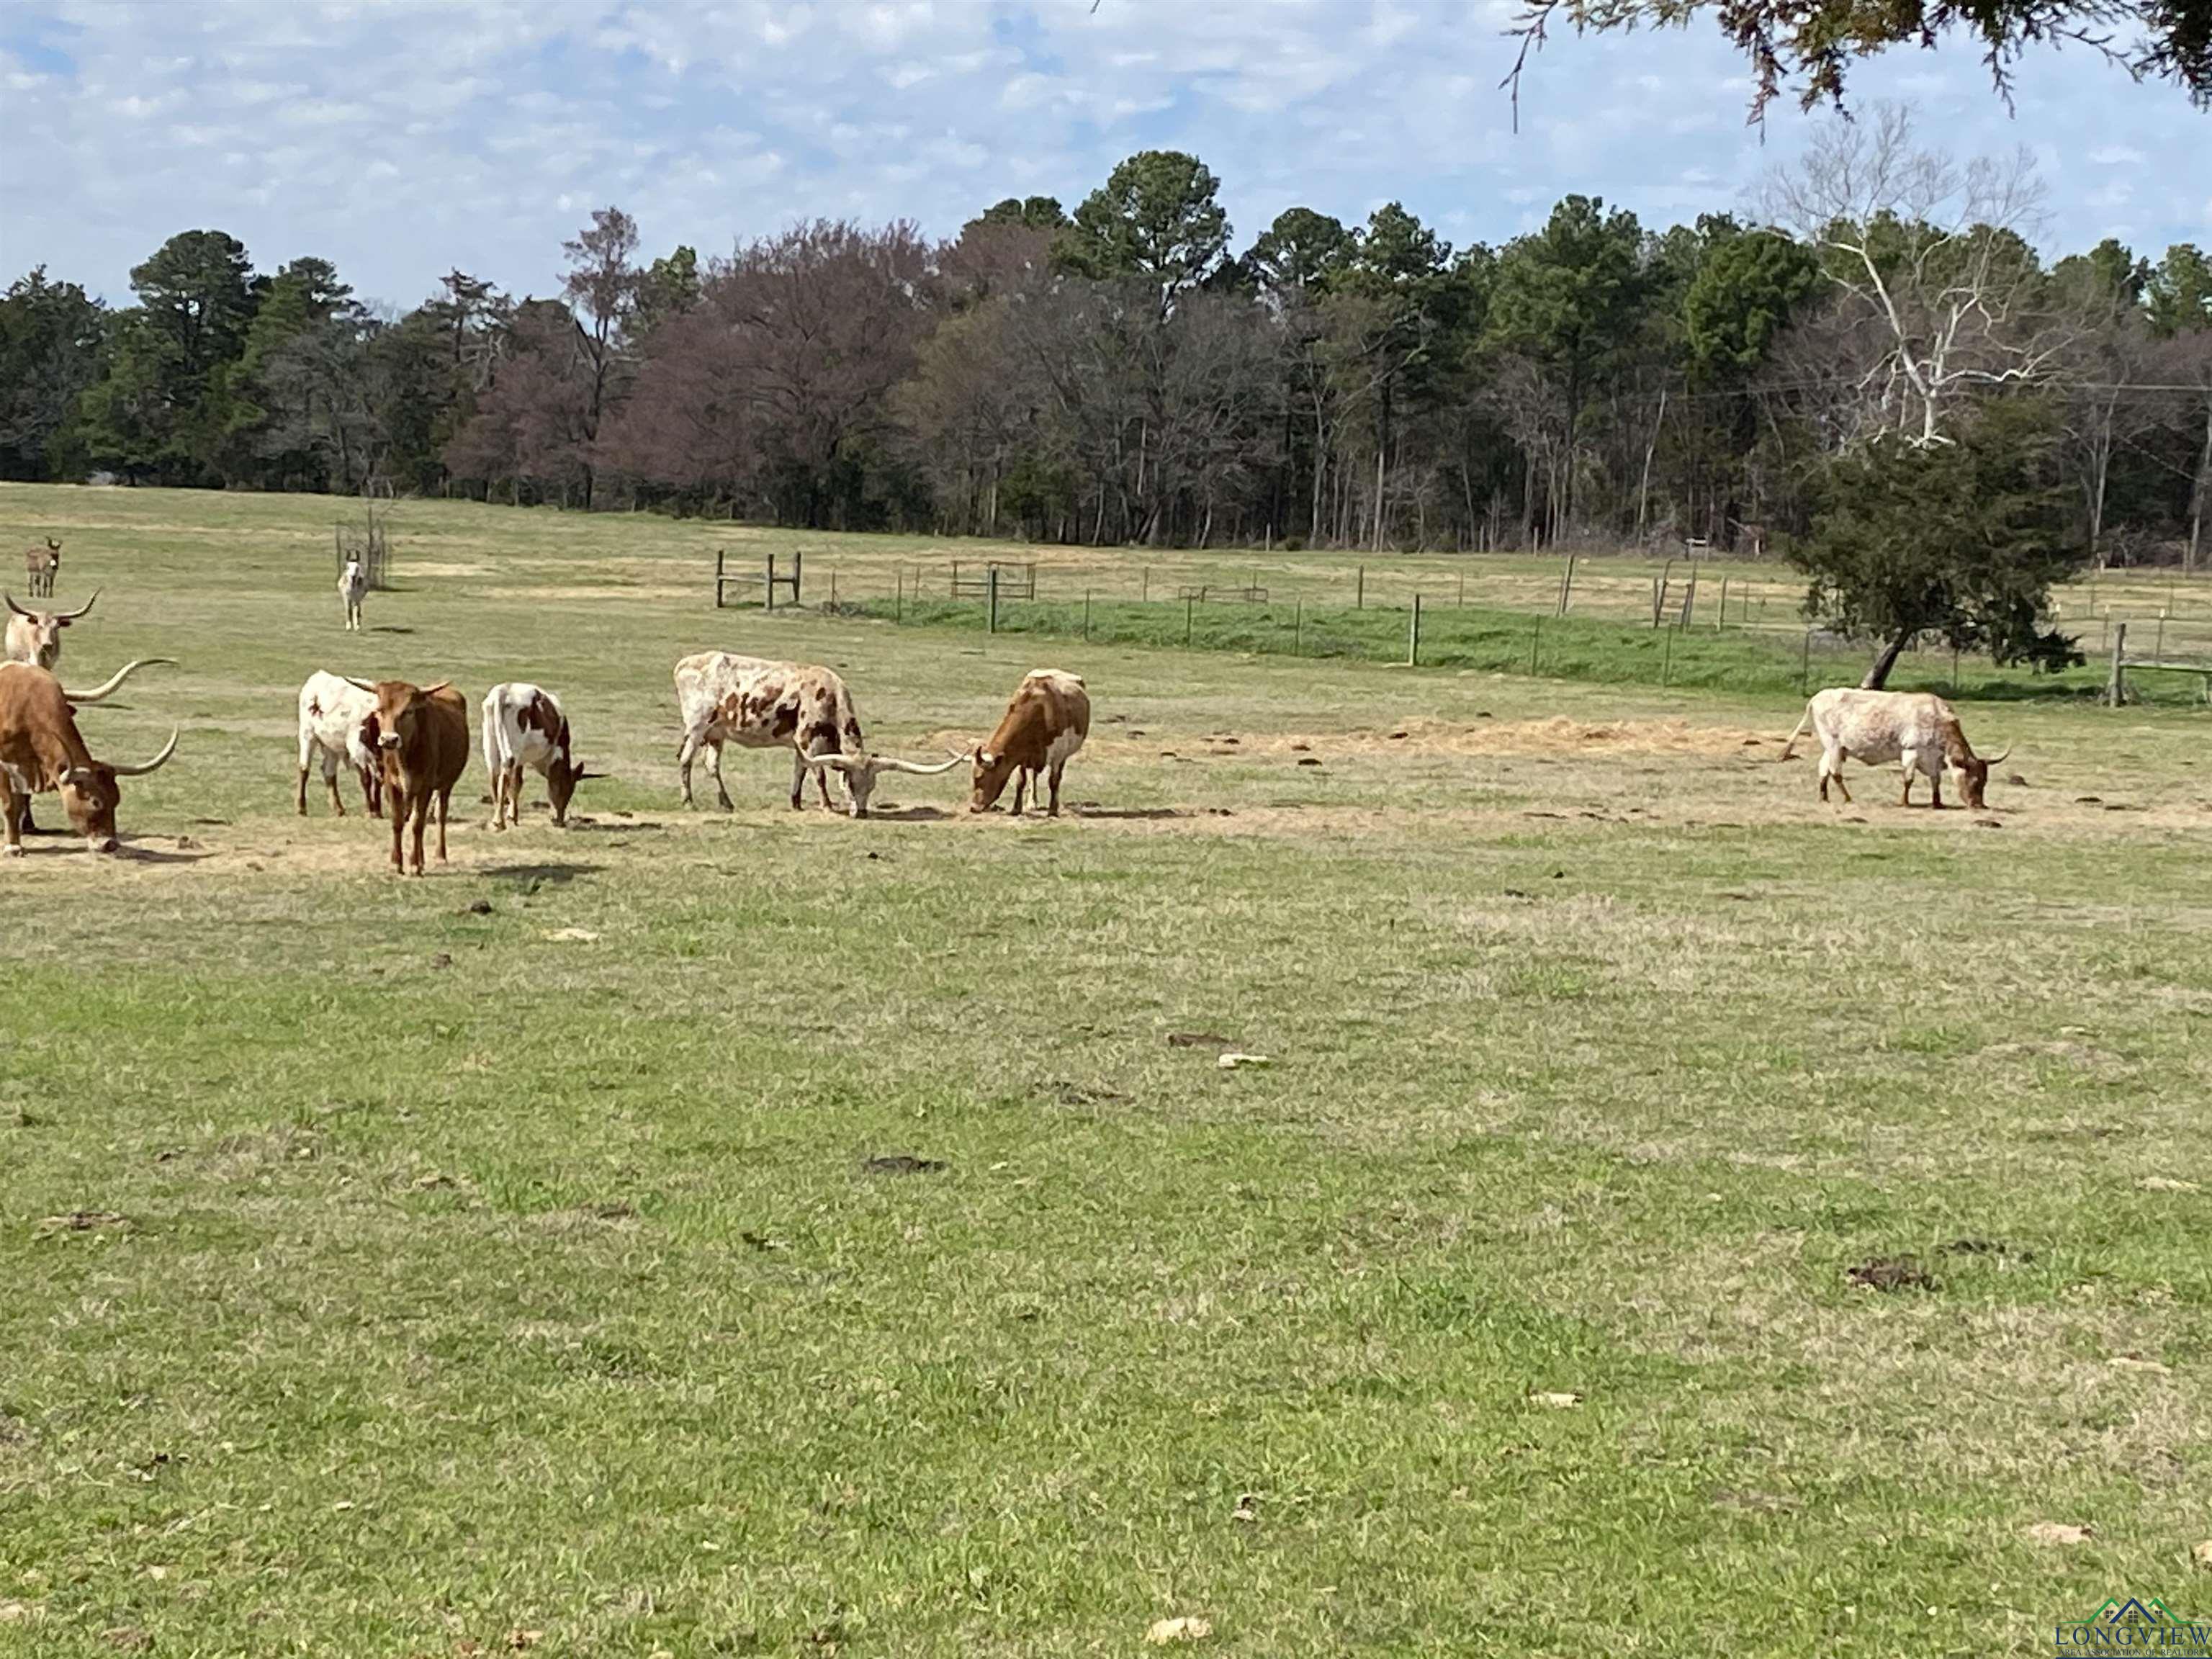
(35, 636)
(1917, 729)
(42, 749)
(421, 737)
(335, 717)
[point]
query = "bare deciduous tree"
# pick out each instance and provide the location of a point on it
(1933, 251)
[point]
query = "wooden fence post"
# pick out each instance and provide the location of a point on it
(1805, 666)
(2116, 690)
(797, 569)
(1720, 621)
(720, 555)
(1359, 590)
(1535, 639)
(1413, 636)
(1145, 589)
(1189, 605)
(833, 589)
(1666, 658)
(1086, 615)
(1567, 586)
(768, 584)
(991, 588)
(898, 594)
(1299, 627)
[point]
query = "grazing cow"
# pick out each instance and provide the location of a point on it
(353, 587)
(35, 636)
(524, 725)
(98, 694)
(334, 717)
(757, 704)
(1046, 723)
(40, 749)
(422, 738)
(41, 565)
(1915, 728)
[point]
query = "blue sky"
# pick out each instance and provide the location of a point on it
(403, 139)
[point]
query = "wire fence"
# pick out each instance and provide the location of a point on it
(1681, 623)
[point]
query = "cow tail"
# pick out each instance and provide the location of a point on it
(1790, 742)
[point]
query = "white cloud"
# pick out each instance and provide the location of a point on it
(403, 139)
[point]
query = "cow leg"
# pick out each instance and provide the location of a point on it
(715, 771)
(395, 804)
(1935, 793)
(1057, 767)
(798, 777)
(445, 804)
(331, 783)
(418, 820)
(15, 809)
(684, 756)
(372, 791)
(1907, 798)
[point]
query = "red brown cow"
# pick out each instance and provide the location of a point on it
(1046, 723)
(40, 749)
(421, 739)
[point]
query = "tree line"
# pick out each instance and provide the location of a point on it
(1126, 374)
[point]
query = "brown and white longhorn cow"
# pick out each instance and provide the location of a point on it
(334, 717)
(35, 636)
(524, 726)
(1915, 728)
(40, 749)
(40, 566)
(421, 736)
(1046, 723)
(758, 704)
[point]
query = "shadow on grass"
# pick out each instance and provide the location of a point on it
(1144, 812)
(910, 814)
(557, 874)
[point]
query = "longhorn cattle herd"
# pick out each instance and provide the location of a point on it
(407, 745)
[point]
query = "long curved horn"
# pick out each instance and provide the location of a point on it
(19, 609)
(1999, 760)
(433, 690)
(152, 765)
(889, 764)
(100, 693)
(359, 685)
(846, 764)
(71, 616)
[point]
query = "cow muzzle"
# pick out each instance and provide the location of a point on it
(100, 843)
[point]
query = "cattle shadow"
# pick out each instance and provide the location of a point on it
(139, 854)
(910, 814)
(1142, 814)
(580, 824)
(557, 875)
(390, 628)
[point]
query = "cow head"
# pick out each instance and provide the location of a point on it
(89, 795)
(40, 631)
(1974, 776)
(563, 774)
(988, 777)
(862, 771)
(400, 709)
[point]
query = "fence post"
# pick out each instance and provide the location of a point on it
(1805, 666)
(1666, 658)
(1144, 589)
(1359, 590)
(720, 555)
(1690, 598)
(899, 597)
(1189, 605)
(1567, 586)
(991, 586)
(1299, 627)
(1536, 638)
(1413, 636)
(1086, 615)
(2116, 690)
(797, 569)
(2157, 646)
(1954, 671)
(1720, 621)
(1462, 590)
(768, 586)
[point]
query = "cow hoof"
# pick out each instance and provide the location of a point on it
(11, 852)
